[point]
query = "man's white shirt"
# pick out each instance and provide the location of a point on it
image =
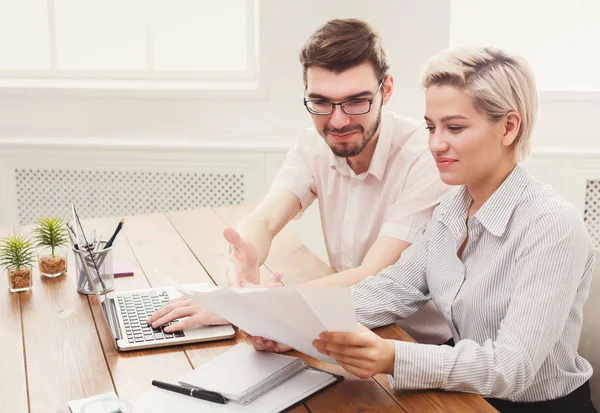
(394, 198)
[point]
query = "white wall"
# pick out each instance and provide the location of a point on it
(128, 121)
(566, 122)
(274, 117)
(413, 31)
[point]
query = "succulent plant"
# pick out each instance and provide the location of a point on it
(51, 233)
(16, 252)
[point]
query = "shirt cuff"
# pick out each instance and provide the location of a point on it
(418, 366)
(398, 231)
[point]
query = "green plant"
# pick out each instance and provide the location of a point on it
(51, 233)
(16, 252)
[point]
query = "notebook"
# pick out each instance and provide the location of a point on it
(255, 373)
(251, 381)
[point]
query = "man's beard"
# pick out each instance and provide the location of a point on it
(344, 150)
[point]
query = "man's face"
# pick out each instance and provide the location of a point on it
(347, 135)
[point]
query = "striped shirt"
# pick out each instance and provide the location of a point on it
(514, 302)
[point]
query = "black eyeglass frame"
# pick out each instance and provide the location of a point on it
(341, 104)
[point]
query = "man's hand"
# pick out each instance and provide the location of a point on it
(182, 307)
(243, 270)
(362, 353)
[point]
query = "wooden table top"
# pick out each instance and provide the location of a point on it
(53, 348)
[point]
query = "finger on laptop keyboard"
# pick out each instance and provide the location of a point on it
(165, 308)
(197, 316)
(175, 313)
(180, 325)
(173, 304)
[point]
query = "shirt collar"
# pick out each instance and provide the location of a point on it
(379, 159)
(496, 212)
(457, 207)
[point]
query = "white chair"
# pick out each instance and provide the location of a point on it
(589, 344)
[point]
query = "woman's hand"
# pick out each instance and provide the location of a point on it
(362, 353)
(190, 314)
(262, 344)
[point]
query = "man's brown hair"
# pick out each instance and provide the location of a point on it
(342, 44)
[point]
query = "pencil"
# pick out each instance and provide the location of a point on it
(112, 238)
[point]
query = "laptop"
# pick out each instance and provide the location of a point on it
(126, 312)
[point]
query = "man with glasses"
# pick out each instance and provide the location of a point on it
(369, 169)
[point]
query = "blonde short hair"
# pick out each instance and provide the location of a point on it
(497, 81)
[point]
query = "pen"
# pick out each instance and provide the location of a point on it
(112, 238)
(97, 246)
(72, 236)
(210, 396)
(92, 241)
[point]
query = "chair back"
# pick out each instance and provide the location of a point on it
(589, 343)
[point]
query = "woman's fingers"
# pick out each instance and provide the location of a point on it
(282, 348)
(356, 339)
(180, 325)
(366, 353)
(176, 313)
(167, 308)
(260, 343)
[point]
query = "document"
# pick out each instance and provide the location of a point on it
(287, 315)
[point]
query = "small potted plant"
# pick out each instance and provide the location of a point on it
(51, 234)
(16, 257)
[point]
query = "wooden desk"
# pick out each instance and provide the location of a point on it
(54, 349)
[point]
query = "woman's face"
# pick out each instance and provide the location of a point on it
(467, 146)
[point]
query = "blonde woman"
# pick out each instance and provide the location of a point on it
(505, 260)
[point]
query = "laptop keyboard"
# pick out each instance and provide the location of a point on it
(136, 308)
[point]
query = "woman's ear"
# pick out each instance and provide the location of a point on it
(511, 127)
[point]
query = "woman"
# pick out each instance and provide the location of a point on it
(506, 261)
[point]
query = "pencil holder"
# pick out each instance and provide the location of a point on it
(97, 268)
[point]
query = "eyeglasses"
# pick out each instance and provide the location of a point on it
(352, 106)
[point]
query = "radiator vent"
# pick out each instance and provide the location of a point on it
(592, 210)
(101, 193)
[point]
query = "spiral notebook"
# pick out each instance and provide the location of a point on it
(243, 374)
(250, 380)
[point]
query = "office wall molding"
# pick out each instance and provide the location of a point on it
(570, 172)
(41, 181)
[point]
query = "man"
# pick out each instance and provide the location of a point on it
(373, 176)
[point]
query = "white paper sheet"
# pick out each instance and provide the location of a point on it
(286, 315)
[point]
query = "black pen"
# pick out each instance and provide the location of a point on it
(210, 396)
(112, 238)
